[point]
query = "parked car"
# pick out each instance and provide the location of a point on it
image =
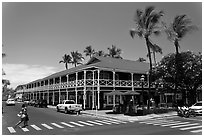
(10, 101)
(197, 108)
(69, 106)
(31, 102)
(40, 103)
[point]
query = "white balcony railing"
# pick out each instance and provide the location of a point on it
(91, 82)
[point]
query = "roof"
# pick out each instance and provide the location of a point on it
(105, 63)
(119, 64)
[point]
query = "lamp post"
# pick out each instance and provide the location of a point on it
(142, 81)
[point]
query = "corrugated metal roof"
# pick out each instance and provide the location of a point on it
(107, 63)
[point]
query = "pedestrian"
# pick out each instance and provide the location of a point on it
(23, 116)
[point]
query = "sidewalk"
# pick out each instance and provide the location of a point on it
(106, 114)
(103, 113)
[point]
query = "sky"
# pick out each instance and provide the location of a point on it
(36, 35)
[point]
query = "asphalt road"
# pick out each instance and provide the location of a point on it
(46, 121)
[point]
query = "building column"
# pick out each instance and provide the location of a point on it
(98, 89)
(132, 80)
(59, 88)
(93, 97)
(53, 95)
(76, 87)
(84, 96)
(67, 87)
(48, 96)
(113, 87)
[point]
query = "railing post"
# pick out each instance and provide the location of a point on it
(98, 89)
(76, 86)
(84, 96)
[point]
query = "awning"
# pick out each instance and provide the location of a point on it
(116, 92)
(130, 92)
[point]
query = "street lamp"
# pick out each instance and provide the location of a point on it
(142, 81)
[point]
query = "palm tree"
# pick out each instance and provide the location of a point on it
(66, 59)
(140, 59)
(176, 32)
(155, 49)
(114, 52)
(89, 51)
(76, 58)
(100, 53)
(147, 24)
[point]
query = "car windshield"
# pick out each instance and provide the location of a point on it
(198, 104)
(69, 102)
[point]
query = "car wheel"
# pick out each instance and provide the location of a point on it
(66, 111)
(57, 109)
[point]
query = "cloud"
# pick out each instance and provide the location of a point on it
(19, 74)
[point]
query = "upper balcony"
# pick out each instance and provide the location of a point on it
(92, 83)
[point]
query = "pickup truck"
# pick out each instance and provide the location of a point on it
(69, 106)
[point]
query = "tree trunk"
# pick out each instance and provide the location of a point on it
(177, 67)
(150, 68)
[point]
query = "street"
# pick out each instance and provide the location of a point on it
(46, 121)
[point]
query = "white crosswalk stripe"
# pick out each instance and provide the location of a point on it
(186, 125)
(77, 124)
(67, 124)
(103, 122)
(95, 123)
(85, 123)
(190, 128)
(11, 130)
(48, 127)
(25, 129)
(179, 123)
(111, 121)
(57, 125)
(35, 127)
(196, 131)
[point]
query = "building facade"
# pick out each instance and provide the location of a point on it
(89, 84)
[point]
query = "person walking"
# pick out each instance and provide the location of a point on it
(23, 116)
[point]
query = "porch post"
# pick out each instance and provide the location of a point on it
(53, 95)
(98, 89)
(113, 87)
(67, 86)
(59, 88)
(93, 92)
(76, 87)
(132, 81)
(48, 87)
(84, 96)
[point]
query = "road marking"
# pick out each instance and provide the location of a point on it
(95, 123)
(180, 123)
(111, 122)
(103, 122)
(118, 121)
(45, 125)
(35, 127)
(67, 124)
(57, 125)
(196, 131)
(185, 125)
(77, 124)
(190, 128)
(85, 123)
(11, 129)
(25, 129)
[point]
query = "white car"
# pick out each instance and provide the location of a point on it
(10, 101)
(69, 106)
(197, 108)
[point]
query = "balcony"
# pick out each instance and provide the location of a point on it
(90, 83)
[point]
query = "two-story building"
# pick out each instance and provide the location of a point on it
(90, 83)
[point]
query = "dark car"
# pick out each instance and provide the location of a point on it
(40, 103)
